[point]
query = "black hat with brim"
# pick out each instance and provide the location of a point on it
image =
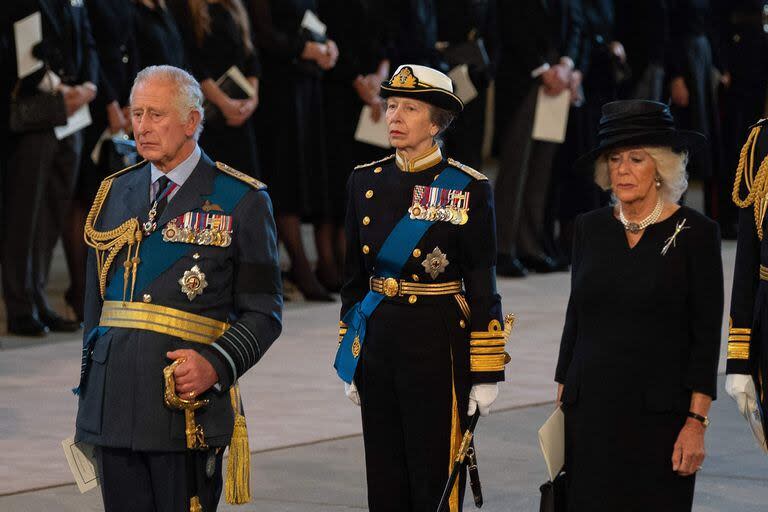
(630, 123)
(412, 81)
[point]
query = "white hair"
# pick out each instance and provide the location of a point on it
(189, 96)
(670, 166)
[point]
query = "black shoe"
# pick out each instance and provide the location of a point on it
(57, 323)
(311, 288)
(507, 266)
(26, 326)
(540, 264)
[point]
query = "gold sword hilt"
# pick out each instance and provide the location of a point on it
(194, 433)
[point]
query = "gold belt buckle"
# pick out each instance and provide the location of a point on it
(391, 287)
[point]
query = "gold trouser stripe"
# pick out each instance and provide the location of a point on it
(763, 273)
(739, 337)
(738, 350)
(456, 438)
(410, 288)
(161, 319)
(463, 305)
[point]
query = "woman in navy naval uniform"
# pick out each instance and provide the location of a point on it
(432, 351)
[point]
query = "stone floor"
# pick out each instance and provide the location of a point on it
(305, 434)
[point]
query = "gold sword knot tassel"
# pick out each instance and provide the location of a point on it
(194, 432)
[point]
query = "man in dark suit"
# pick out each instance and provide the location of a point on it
(540, 43)
(184, 268)
(39, 189)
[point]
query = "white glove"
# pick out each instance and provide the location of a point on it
(742, 389)
(481, 397)
(351, 391)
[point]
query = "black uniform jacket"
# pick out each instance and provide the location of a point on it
(121, 400)
(380, 194)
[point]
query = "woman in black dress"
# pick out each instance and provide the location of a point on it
(292, 133)
(638, 358)
(157, 35)
(217, 34)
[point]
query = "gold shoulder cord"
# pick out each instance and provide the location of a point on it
(108, 244)
(756, 183)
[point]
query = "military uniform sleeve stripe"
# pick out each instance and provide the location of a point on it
(229, 338)
(255, 342)
(238, 337)
(228, 359)
(249, 350)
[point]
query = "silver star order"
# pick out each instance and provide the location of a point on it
(435, 263)
(193, 282)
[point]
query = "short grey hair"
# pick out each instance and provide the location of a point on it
(670, 166)
(442, 118)
(189, 96)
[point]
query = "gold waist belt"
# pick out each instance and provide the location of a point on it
(138, 315)
(392, 287)
(763, 273)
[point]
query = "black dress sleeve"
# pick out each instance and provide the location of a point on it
(284, 45)
(705, 311)
(570, 329)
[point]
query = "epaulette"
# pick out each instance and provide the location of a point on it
(361, 166)
(258, 185)
(467, 169)
(127, 169)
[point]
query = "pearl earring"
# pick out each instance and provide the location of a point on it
(658, 182)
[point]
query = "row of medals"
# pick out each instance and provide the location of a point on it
(458, 216)
(173, 233)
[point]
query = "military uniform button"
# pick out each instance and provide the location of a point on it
(369, 194)
(147, 298)
(462, 324)
(125, 59)
(377, 170)
(196, 256)
(366, 220)
(366, 249)
(416, 253)
(415, 278)
(412, 299)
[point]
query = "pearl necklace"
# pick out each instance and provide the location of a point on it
(636, 227)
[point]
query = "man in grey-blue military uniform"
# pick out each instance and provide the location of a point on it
(184, 270)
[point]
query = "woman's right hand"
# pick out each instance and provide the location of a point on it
(234, 111)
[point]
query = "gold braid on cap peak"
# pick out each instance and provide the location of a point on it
(756, 183)
(108, 244)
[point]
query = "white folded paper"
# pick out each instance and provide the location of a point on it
(76, 122)
(27, 33)
(311, 22)
(370, 132)
(552, 443)
(82, 463)
(463, 86)
(551, 117)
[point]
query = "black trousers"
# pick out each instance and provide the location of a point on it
(40, 182)
(522, 187)
(409, 360)
(155, 481)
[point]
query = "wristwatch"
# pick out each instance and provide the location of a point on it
(703, 419)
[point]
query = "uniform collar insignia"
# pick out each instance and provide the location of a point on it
(424, 161)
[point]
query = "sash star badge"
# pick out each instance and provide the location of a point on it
(193, 282)
(435, 263)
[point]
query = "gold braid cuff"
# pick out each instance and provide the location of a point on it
(108, 244)
(486, 348)
(756, 183)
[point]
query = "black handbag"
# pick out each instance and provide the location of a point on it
(117, 153)
(36, 112)
(554, 496)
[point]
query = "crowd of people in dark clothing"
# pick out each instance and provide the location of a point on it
(297, 131)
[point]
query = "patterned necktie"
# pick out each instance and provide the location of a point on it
(164, 189)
